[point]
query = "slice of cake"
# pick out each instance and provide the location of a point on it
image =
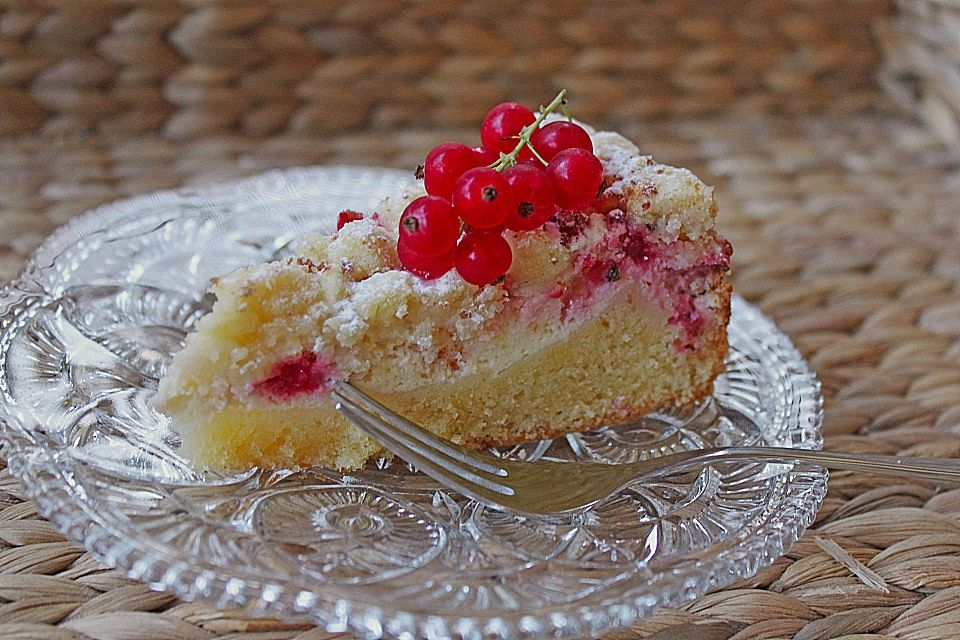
(610, 305)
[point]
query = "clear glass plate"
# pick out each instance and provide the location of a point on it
(93, 320)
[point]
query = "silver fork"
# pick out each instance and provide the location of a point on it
(549, 488)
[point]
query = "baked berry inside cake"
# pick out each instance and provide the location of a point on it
(552, 281)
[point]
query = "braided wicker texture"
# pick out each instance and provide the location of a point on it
(922, 63)
(193, 69)
(842, 213)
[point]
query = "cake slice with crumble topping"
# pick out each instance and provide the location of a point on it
(615, 304)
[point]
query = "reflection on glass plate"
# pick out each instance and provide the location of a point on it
(91, 324)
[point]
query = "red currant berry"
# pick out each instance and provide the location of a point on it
(532, 161)
(533, 192)
(426, 267)
(483, 257)
(346, 216)
(487, 156)
(444, 164)
(551, 139)
(428, 226)
(502, 124)
(576, 175)
(482, 198)
(526, 156)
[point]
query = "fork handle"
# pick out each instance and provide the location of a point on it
(936, 469)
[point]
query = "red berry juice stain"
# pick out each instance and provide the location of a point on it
(638, 247)
(297, 376)
(689, 319)
(571, 225)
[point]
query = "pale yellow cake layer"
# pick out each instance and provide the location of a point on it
(619, 365)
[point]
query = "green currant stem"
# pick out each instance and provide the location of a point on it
(510, 159)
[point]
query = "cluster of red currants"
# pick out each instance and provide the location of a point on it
(518, 179)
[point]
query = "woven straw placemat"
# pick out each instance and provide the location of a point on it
(845, 230)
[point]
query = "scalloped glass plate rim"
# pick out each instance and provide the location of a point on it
(44, 474)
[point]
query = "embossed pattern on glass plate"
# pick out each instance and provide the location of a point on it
(91, 323)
